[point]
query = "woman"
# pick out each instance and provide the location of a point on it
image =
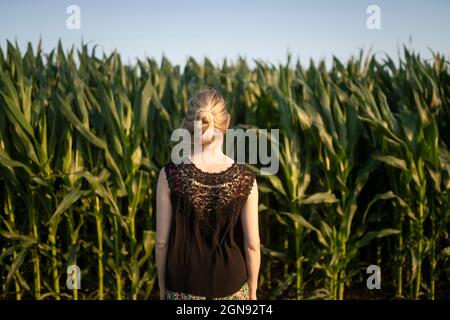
(207, 238)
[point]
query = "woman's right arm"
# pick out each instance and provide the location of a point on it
(250, 227)
(163, 222)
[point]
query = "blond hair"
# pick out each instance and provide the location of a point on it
(209, 107)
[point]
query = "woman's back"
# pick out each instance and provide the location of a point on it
(206, 254)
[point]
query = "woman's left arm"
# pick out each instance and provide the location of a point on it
(163, 222)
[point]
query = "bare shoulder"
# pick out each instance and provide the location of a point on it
(165, 170)
(162, 176)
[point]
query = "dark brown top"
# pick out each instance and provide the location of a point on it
(206, 254)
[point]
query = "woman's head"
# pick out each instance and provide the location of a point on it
(207, 109)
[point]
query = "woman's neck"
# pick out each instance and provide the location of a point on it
(210, 153)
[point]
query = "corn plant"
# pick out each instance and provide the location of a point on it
(364, 170)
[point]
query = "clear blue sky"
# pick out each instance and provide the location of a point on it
(254, 29)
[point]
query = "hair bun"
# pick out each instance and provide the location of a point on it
(205, 115)
(206, 110)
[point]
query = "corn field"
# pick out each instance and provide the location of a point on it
(364, 174)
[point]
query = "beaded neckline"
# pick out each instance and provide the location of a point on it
(194, 167)
(207, 191)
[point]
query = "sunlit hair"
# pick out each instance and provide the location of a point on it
(209, 107)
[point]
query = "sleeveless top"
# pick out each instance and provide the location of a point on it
(206, 254)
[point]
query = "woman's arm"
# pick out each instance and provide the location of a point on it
(249, 219)
(163, 221)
